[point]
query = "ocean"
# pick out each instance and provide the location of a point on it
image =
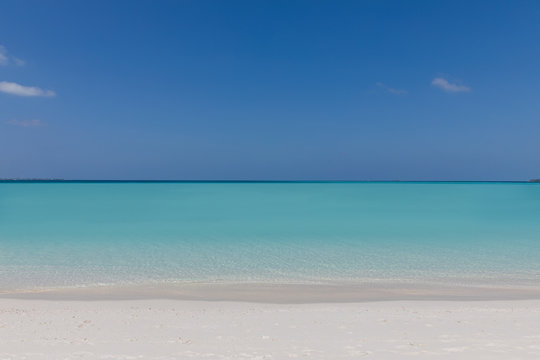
(80, 234)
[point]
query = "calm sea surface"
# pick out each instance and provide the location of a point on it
(82, 234)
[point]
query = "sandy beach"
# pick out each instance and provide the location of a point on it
(179, 329)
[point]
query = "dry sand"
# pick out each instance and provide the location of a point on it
(180, 329)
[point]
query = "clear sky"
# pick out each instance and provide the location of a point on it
(410, 90)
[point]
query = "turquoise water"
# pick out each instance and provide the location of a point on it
(83, 234)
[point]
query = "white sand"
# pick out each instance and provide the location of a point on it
(175, 329)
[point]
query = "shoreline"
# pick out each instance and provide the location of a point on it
(282, 293)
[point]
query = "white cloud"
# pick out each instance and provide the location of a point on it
(25, 123)
(5, 58)
(21, 90)
(391, 90)
(447, 86)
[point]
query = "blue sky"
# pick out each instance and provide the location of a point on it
(410, 90)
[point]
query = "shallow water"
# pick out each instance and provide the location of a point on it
(84, 234)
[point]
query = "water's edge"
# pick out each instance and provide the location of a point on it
(281, 293)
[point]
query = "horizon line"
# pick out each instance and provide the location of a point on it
(255, 180)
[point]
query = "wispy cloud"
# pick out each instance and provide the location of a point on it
(25, 123)
(6, 58)
(447, 86)
(391, 90)
(21, 90)
(3, 56)
(19, 62)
